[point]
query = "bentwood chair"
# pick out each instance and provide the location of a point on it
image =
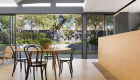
(36, 63)
(7, 54)
(17, 58)
(68, 60)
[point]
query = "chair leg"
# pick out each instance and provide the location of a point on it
(25, 66)
(14, 68)
(6, 59)
(12, 59)
(46, 60)
(27, 73)
(3, 60)
(20, 66)
(41, 73)
(60, 69)
(55, 62)
(34, 72)
(45, 72)
(71, 68)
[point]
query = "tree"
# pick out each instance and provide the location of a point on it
(78, 21)
(96, 22)
(109, 22)
(32, 20)
(5, 21)
(20, 21)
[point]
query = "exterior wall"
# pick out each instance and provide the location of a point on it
(134, 19)
(58, 35)
(120, 55)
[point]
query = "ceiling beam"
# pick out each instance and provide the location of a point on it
(124, 7)
(18, 1)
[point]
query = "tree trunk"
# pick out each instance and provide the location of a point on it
(96, 32)
(31, 32)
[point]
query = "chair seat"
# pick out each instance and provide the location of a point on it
(38, 63)
(64, 59)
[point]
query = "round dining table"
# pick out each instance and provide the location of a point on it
(51, 50)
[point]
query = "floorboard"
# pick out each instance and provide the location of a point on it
(105, 72)
(83, 70)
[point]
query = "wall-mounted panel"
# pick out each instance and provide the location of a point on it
(120, 55)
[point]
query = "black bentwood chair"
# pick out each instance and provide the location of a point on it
(17, 58)
(68, 60)
(32, 63)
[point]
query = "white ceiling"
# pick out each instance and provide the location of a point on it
(109, 6)
(7, 2)
(133, 8)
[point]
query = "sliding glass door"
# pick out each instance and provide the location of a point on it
(64, 30)
(98, 25)
(7, 31)
(109, 25)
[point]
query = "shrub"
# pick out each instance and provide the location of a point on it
(27, 35)
(93, 41)
(4, 37)
(44, 40)
(27, 41)
(80, 42)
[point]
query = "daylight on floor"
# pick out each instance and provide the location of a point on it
(69, 39)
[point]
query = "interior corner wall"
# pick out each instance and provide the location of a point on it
(134, 19)
(121, 23)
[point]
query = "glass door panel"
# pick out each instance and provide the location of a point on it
(6, 31)
(95, 29)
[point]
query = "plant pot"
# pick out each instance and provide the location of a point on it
(46, 45)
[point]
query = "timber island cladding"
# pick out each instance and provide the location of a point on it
(120, 55)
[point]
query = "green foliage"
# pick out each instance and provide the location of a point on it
(27, 41)
(47, 21)
(138, 25)
(26, 35)
(56, 42)
(4, 44)
(42, 22)
(93, 41)
(4, 37)
(80, 42)
(44, 40)
(5, 21)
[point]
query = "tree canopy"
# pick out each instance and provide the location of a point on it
(5, 21)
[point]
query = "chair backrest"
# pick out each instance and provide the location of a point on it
(37, 49)
(15, 54)
(72, 52)
(7, 50)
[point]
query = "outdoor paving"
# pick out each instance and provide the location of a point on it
(77, 56)
(63, 55)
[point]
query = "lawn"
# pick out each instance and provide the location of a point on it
(4, 44)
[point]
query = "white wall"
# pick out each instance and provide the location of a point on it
(134, 19)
